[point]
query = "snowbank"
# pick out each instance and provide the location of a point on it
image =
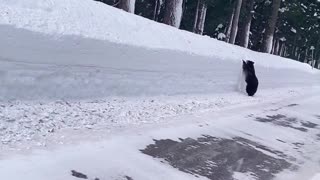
(59, 63)
(92, 19)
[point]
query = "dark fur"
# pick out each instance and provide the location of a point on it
(250, 77)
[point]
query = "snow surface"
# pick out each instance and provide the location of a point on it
(75, 68)
(316, 177)
(33, 121)
(113, 156)
(92, 19)
(244, 176)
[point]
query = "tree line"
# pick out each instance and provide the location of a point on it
(287, 28)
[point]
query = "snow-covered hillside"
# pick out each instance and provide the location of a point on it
(92, 19)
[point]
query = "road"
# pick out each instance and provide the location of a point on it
(275, 140)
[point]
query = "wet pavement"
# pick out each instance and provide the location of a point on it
(218, 158)
(289, 122)
(81, 175)
(222, 158)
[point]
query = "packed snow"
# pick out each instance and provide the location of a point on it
(103, 155)
(24, 121)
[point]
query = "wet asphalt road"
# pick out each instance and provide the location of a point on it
(218, 158)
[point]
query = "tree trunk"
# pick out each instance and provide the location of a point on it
(200, 17)
(317, 49)
(127, 5)
(277, 47)
(196, 17)
(312, 59)
(173, 12)
(244, 30)
(305, 56)
(281, 48)
(299, 55)
(271, 25)
(157, 8)
(155, 11)
(273, 45)
(296, 52)
(235, 22)
(228, 32)
(284, 50)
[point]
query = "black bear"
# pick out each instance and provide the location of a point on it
(250, 77)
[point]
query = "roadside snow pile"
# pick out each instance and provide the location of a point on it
(30, 120)
(92, 19)
(37, 67)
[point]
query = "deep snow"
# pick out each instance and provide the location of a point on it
(73, 71)
(93, 19)
(61, 64)
(38, 67)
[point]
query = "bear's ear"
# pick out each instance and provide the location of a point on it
(250, 62)
(244, 61)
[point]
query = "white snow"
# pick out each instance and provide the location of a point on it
(95, 20)
(117, 154)
(244, 176)
(283, 39)
(304, 6)
(219, 27)
(221, 36)
(293, 30)
(283, 9)
(316, 177)
(25, 121)
(74, 68)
